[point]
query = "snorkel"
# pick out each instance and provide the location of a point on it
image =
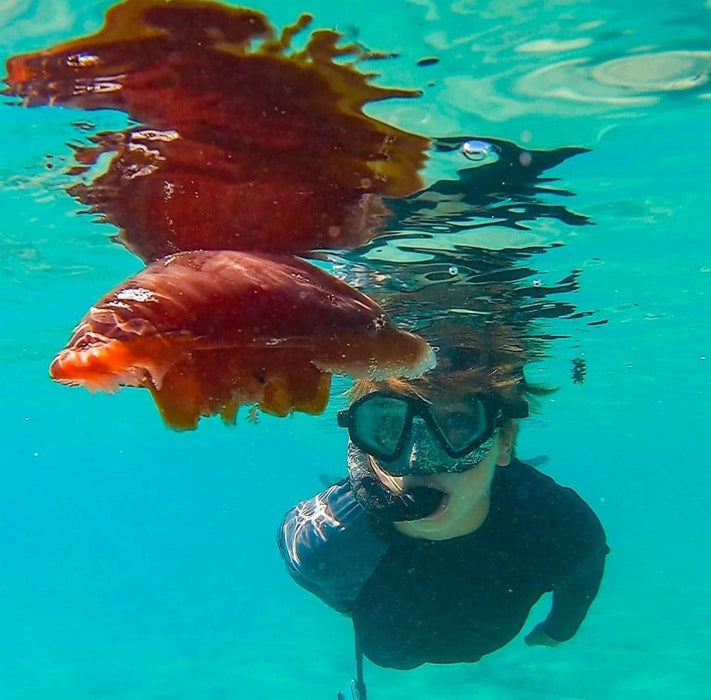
(382, 502)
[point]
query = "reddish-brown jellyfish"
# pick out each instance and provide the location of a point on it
(244, 143)
(209, 331)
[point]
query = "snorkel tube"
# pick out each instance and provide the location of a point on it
(356, 688)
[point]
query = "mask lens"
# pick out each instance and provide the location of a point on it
(378, 423)
(463, 422)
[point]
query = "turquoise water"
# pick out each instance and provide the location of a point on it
(138, 563)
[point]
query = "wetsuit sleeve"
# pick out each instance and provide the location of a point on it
(330, 546)
(579, 581)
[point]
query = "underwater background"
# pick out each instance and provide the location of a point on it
(140, 563)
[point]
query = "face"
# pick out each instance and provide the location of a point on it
(411, 433)
(466, 502)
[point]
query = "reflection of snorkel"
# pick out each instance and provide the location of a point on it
(352, 693)
(356, 688)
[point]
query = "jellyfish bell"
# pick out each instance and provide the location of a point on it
(272, 140)
(209, 331)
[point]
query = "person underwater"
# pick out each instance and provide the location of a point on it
(440, 541)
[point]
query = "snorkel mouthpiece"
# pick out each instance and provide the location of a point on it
(420, 502)
(376, 498)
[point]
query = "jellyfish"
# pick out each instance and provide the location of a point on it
(209, 331)
(272, 141)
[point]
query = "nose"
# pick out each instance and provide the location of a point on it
(423, 453)
(419, 434)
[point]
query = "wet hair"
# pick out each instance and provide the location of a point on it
(491, 363)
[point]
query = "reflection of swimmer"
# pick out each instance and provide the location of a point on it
(440, 541)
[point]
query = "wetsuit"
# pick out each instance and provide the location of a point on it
(415, 601)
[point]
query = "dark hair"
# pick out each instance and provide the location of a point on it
(489, 362)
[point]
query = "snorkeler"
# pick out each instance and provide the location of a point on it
(440, 540)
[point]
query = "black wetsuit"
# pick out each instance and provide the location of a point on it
(415, 601)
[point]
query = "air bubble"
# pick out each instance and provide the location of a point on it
(477, 150)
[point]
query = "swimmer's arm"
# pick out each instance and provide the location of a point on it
(330, 547)
(575, 591)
